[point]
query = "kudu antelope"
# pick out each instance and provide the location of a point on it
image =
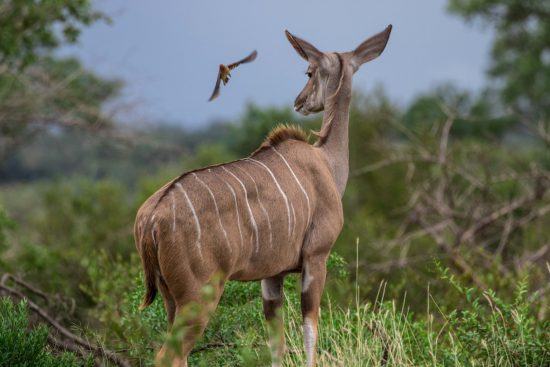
(276, 212)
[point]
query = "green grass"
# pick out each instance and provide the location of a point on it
(475, 329)
(365, 334)
(487, 331)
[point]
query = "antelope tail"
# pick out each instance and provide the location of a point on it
(148, 252)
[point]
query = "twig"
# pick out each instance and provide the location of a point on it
(456, 259)
(487, 220)
(20, 282)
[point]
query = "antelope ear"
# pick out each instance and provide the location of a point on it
(304, 48)
(371, 48)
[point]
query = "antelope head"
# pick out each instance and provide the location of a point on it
(325, 67)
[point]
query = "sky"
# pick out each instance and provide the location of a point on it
(167, 52)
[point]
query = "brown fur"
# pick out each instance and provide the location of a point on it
(276, 136)
(284, 132)
(280, 134)
(325, 130)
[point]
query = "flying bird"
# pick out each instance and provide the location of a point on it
(225, 73)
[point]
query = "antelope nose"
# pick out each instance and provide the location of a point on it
(298, 103)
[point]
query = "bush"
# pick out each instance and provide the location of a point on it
(116, 288)
(24, 346)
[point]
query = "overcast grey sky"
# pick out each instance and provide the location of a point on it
(168, 51)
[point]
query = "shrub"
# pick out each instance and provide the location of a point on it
(24, 346)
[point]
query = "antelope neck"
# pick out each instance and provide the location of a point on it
(335, 145)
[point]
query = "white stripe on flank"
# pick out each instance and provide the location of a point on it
(141, 229)
(297, 181)
(173, 211)
(215, 207)
(197, 223)
(252, 220)
(236, 208)
(261, 206)
(153, 230)
(153, 235)
(293, 218)
(278, 187)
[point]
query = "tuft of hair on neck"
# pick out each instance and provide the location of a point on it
(282, 133)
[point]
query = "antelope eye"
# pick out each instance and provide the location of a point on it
(309, 74)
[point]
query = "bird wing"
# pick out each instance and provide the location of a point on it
(216, 91)
(249, 58)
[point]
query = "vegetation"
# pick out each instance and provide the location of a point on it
(20, 346)
(443, 260)
(520, 51)
(38, 90)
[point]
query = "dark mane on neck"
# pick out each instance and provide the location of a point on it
(284, 132)
(281, 133)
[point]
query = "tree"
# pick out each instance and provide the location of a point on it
(37, 90)
(254, 126)
(520, 52)
(30, 27)
(478, 115)
(51, 93)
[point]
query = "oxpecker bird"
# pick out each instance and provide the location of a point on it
(225, 73)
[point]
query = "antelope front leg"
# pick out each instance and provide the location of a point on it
(313, 281)
(272, 296)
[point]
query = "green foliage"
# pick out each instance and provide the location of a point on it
(21, 346)
(74, 234)
(38, 89)
(507, 334)
(208, 154)
(124, 326)
(81, 86)
(235, 329)
(5, 225)
(54, 92)
(30, 27)
(75, 218)
(520, 49)
(475, 114)
(86, 214)
(487, 332)
(253, 127)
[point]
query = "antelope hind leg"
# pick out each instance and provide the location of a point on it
(169, 302)
(272, 297)
(192, 315)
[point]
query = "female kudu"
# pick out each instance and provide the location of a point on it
(276, 212)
